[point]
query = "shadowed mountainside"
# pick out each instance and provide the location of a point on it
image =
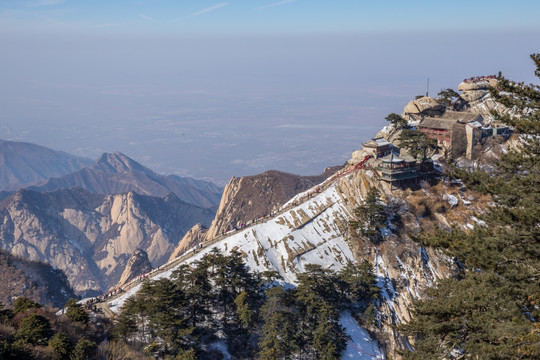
(37, 281)
(23, 163)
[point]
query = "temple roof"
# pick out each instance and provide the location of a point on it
(437, 123)
(462, 116)
(377, 142)
(391, 158)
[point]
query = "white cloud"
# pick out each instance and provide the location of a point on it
(203, 11)
(279, 3)
(44, 3)
(7, 14)
(146, 17)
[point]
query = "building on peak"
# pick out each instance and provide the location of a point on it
(378, 147)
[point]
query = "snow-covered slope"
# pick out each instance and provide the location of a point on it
(316, 231)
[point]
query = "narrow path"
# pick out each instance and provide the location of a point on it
(173, 263)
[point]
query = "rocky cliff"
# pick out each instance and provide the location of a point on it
(248, 198)
(137, 265)
(117, 173)
(315, 229)
(476, 98)
(91, 236)
(193, 238)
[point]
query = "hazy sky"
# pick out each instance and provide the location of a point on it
(214, 89)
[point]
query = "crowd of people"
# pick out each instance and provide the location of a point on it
(90, 304)
(479, 78)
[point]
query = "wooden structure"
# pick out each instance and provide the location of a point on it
(396, 170)
(378, 147)
(449, 127)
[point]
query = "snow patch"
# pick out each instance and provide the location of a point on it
(360, 345)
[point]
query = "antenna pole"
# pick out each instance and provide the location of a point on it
(427, 89)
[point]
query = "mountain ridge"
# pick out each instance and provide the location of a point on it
(97, 233)
(115, 173)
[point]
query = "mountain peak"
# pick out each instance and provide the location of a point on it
(119, 162)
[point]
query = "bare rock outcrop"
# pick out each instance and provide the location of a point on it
(251, 197)
(425, 106)
(477, 99)
(138, 264)
(90, 236)
(195, 236)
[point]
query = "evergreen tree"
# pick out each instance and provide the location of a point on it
(278, 339)
(317, 298)
(359, 283)
(326, 340)
(371, 216)
(165, 304)
(195, 283)
(446, 96)
(244, 310)
(231, 276)
(21, 304)
(83, 350)
(126, 322)
(76, 312)
(397, 120)
(417, 143)
(34, 329)
(61, 345)
(490, 310)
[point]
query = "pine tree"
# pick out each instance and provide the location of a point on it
(278, 340)
(195, 283)
(398, 121)
(34, 329)
(244, 310)
(165, 314)
(371, 216)
(326, 336)
(83, 350)
(61, 345)
(75, 312)
(22, 304)
(417, 143)
(317, 300)
(489, 311)
(446, 96)
(359, 283)
(126, 322)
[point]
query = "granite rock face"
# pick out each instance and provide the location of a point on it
(91, 236)
(195, 236)
(251, 197)
(138, 264)
(424, 106)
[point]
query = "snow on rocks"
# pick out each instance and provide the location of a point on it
(360, 345)
(452, 200)
(310, 233)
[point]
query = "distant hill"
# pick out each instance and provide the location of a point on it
(23, 163)
(38, 281)
(117, 173)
